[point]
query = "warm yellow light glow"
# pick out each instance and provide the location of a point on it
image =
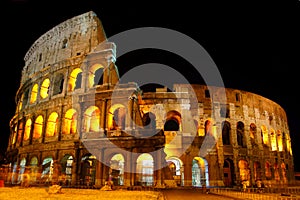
(27, 129)
(21, 102)
(201, 132)
(252, 130)
(38, 127)
(92, 71)
(214, 131)
(116, 117)
(14, 138)
(265, 135)
(279, 141)
(273, 140)
(288, 144)
(92, 119)
(118, 157)
(51, 128)
(45, 88)
(144, 156)
(20, 131)
(73, 79)
(34, 93)
(244, 170)
(268, 172)
(70, 122)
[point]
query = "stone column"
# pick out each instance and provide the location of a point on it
(158, 164)
(127, 169)
(187, 171)
(99, 168)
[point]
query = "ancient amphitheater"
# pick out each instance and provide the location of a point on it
(74, 124)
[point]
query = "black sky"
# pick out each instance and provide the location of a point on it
(255, 44)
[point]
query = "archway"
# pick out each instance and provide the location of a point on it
(47, 170)
(33, 169)
(88, 169)
(244, 170)
(22, 169)
(200, 175)
(66, 168)
(144, 169)
(176, 168)
(116, 171)
(228, 172)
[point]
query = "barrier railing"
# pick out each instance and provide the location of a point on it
(259, 193)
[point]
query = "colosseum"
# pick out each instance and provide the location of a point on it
(76, 125)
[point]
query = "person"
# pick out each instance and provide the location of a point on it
(244, 184)
(259, 186)
(25, 180)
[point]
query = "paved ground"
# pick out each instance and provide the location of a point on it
(40, 193)
(191, 194)
(18, 193)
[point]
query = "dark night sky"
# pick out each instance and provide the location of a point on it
(255, 45)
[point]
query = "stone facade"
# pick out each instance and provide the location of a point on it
(76, 125)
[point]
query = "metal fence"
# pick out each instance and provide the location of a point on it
(289, 193)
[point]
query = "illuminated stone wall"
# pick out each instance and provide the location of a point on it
(71, 122)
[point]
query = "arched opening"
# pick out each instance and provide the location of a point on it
(116, 117)
(64, 44)
(70, 122)
(208, 127)
(20, 132)
(92, 119)
(176, 168)
(279, 141)
(273, 140)
(264, 132)
(52, 125)
(95, 75)
(283, 173)
(228, 172)
(116, 171)
(47, 170)
(244, 170)
(22, 169)
(75, 79)
(45, 88)
(173, 121)
(27, 129)
(253, 133)
(276, 172)
(257, 171)
(58, 84)
(33, 169)
(38, 127)
(200, 175)
(149, 120)
(66, 169)
(34, 92)
(171, 125)
(268, 172)
(226, 133)
(88, 169)
(144, 169)
(240, 134)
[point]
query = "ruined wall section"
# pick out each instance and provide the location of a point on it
(63, 45)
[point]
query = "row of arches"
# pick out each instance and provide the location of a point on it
(276, 140)
(116, 119)
(55, 85)
(62, 171)
(277, 172)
